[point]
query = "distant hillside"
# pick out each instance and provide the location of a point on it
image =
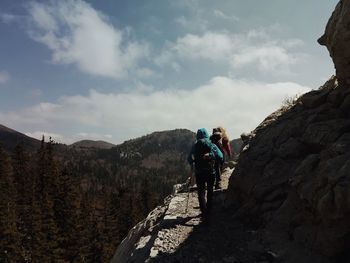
(9, 139)
(160, 156)
(92, 144)
(100, 193)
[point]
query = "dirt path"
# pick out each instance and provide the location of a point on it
(183, 237)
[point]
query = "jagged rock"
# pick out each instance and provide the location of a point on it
(337, 40)
(314, 98)
(246, 137)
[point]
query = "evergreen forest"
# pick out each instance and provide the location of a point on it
(75, 204)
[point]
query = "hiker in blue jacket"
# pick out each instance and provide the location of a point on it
(203, 154)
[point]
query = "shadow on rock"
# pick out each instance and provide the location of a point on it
(222, 239)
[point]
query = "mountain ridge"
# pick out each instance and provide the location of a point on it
(92, 144)
(10, 138)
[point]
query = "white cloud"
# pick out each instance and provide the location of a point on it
(292, 43)
(220, 14)
(78, 34)
(4, 77)
(254, 49)
(266, 58)
(212, 46)
(236, 104)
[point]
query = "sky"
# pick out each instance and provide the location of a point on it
(115, 70)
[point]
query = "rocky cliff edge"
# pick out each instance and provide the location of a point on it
(293, 178)
(174, 232)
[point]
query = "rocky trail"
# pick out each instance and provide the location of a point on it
(172, 233)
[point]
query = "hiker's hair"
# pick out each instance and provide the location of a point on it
(223, 133)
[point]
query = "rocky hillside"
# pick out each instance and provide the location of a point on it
(292, 179)
(10, 139)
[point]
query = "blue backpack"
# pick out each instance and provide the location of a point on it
(202, 147)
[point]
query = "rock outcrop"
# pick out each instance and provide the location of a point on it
(337, 40)
(293, 174)
(292, 178)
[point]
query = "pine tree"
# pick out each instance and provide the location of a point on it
(96, 245)
(65, 215)
(148, 197)
(49, 195)
(111, 231)
(84, 228)
(9, 242)
(136, 211)
(23, 185)
(38, 238)
(125, 218)
(45, 230)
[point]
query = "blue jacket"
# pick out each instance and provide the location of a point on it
(214, 153)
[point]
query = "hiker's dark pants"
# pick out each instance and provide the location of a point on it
(205, 181)
(217, 172)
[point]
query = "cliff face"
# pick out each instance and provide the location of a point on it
(293, 175)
